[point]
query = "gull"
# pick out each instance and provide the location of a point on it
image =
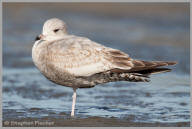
(79, 62)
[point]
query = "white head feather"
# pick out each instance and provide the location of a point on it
(54, 29)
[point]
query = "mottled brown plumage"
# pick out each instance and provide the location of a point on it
(78, 62)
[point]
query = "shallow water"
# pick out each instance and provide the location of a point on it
(165, 101)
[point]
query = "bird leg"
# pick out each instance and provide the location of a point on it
(74, 101)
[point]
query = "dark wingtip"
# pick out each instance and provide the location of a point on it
(172, 62)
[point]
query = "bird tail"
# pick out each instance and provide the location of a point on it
(153, 71)
(152, 67)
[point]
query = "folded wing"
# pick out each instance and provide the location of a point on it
(82, 57)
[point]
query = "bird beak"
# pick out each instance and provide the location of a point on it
(40, 37)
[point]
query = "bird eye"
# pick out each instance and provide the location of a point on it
(56, 30)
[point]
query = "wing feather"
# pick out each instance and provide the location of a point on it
(82, 57)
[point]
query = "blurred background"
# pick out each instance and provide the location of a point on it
(147, 31)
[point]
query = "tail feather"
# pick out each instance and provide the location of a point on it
(149, 65)
(153, 71)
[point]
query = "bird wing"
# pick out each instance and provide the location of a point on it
(82, 57)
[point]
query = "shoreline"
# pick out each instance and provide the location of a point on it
(86, 122)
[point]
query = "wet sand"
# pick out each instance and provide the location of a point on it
(29, 99)
(87, 122)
